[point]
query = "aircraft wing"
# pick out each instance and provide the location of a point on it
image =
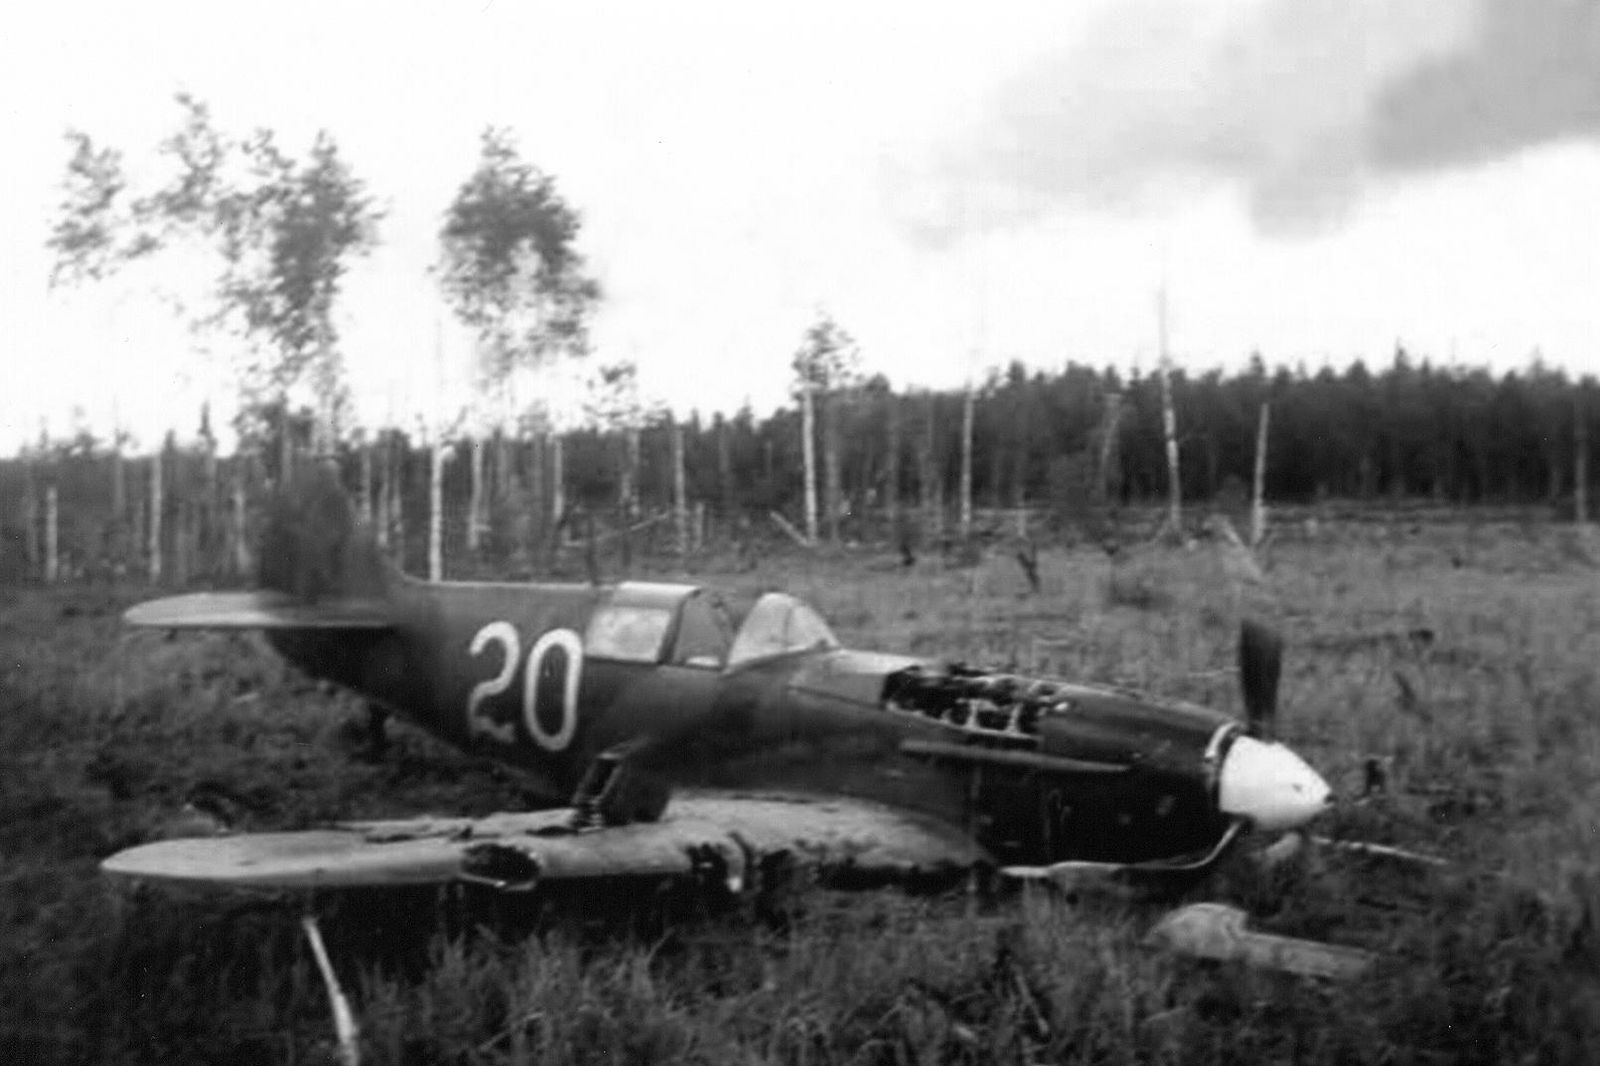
(724, 839)
(257, 610)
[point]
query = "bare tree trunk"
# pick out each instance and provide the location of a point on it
(536, 483)
(208, 524)
(1169, 425)
(52, 530)
(1580, 457)
(967, 404)
(399, 456)
(591, 548)
(1258, 510)
(626, 493)
(808, 452)
(1021, 422)
(156, 504)
(630, 474)
(379, 453)
(930, 487)
(1108, 445)
(500, 484)
(624, 475)
(475, 501)
(832, 492)
(138, 505)
(325, 416)
(558, 480)
(386, 493)
(30, 519)
(116, 540)
(680, 498)
(183, 540)
(241, 540)
(997, 466)
(366, 504)
(436, 510)
(725, 486)
(891, 478)
(1169, 430)
(119, 480)
(285, 441)
(788, 529)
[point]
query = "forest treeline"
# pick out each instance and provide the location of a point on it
(1066, 445)
(852, 460)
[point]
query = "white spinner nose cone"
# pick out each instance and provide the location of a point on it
(1270, 785)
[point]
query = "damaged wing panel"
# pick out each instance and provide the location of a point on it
(716, 839)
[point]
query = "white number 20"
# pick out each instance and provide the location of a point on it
(480, 722)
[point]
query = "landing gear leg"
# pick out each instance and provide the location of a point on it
(344, 1019)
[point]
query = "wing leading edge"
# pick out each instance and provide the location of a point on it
(715, 838)
(258, 610)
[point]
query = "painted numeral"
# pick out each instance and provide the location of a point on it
(555, 666)
(549, 684)
(480, 722)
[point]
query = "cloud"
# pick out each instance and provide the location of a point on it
(1299, 105)
(1530, 75)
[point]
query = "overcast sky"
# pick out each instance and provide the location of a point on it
(959, 185)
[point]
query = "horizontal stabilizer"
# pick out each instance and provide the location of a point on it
(258, 610)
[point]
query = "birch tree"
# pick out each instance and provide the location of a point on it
(280, 232)
(1169, 424)
(826, 364)
(99, 227)
(615, 405)
(510, 269)
(315, 217)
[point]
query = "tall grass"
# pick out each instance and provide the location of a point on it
(1486, 731)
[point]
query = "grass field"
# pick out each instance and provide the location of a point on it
(1487, 731)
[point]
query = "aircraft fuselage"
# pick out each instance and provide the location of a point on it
(549, 677)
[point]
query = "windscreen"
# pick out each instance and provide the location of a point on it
(779, 624)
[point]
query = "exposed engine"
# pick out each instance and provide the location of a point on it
(1006, 705)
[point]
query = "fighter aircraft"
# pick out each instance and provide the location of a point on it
(694, 736)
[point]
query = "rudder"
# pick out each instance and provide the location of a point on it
(313, 547)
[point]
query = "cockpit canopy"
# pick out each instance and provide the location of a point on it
(643, 622)
(776, 625)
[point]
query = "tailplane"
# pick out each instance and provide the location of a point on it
(256, 610)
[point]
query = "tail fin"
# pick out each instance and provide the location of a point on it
(314, 549)
(319, 570)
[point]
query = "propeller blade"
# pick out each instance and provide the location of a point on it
(1260, 666)
(1217, 931)
(1383, 852)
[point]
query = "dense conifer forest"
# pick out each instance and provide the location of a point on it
(1063, 445)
